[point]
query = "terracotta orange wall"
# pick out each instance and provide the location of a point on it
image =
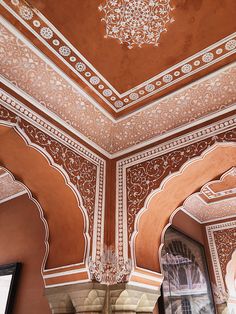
(196, 231)
(61, 209)
(207, 249)
(189, 226)
(22, 236)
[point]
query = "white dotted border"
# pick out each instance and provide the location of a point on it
(22, 111)
(214, 255)
(122, 165)
(190, 66)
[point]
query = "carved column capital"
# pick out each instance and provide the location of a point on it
(89, 298)
(127, 298)
(60, 303)
(78, 298)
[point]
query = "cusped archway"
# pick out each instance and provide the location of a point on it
(160, 205)
(68, 238)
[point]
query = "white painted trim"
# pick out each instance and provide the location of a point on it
(190, 215)
(155, 192)
(66, 273)
(205, 221)
(26, 113)
(98, 147)
(198, 54)
(144, 276)
(180, 141)
(176, 81)
(219, 219)
(213, 250)
(67, 283)
(122, 165)
(6, 199)
(133, 147)
(41, 216)
(3, 174)
(84, 94)
(67, 141)
(42, 56)
(51, 114)
(144, 285)
(216, 44)
(184, 127)
(62, 267)
(147, 271)
(48, 157)
(230, 277)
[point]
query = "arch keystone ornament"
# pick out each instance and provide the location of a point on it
(136, 22)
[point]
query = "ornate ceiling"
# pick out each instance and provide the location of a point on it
(8, 187)
(122, 79)
(111, 93)
(216, 201)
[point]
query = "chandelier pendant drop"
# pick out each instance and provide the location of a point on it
(136, 22)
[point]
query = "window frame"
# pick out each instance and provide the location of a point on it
(14, 270)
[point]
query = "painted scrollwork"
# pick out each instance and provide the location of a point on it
(147, 176)
(82, 172)
(225, 241)
(110, 269)
(136, 22)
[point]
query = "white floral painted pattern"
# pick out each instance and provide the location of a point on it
(136, 22)
(21, 66)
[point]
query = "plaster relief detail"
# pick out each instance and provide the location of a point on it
(139, 175)
(110, 270)
(53, 93)
(143, 178)
(222, 189)
(204, 213)
(221, 239)
(136, 22)
(215, 201)
(83, 170)
(8, 187)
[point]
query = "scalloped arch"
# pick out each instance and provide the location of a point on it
(69, 239)
(146, 238)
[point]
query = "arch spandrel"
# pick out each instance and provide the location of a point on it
(173, 192)
(64, 217)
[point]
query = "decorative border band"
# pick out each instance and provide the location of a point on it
(183, 149)
(40, 27)
(213, 250)
(76, 150)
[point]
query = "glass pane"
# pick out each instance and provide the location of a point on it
(5, 283)
(186, 287)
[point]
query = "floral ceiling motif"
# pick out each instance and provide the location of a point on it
(133, 22)
(142, 173)
(136, 22)
(23, 68)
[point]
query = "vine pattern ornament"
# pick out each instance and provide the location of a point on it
(142, 173)
(110, 269)
(136, 22)
(49, 35)
(221, 239)
(147, 176)
(225, 244)
(84, 169)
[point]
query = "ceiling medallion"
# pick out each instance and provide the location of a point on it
(136, 22)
